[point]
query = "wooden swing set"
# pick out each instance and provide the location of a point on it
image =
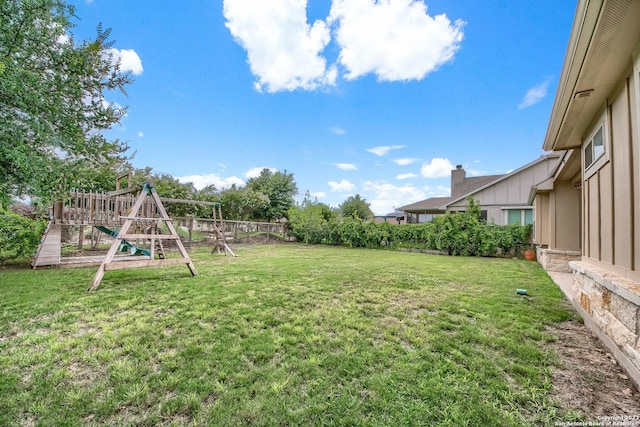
(139, 225)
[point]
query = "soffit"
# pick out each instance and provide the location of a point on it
(598, 57)
(570, 166)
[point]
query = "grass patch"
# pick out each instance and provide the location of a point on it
(283, 334)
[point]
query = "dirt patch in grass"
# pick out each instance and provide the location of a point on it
(588, 379)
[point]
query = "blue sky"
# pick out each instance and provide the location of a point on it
(378, 98)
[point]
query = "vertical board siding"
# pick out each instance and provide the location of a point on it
(634, 157)
(606, 214)
(611, 206)
(593, 217)
(622, 173)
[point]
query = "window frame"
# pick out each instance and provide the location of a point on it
(523, 213)
(597, 161)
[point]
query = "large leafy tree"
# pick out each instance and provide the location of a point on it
(279, 188)
(52, 99)
(356, 207)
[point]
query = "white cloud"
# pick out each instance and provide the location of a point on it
(129, 60)
(255, 172)
(106, 104)
(318, 194)
(440, 191)
(63, 39)
(406, 176)
(396, 40)
(385, 197)
(283, 50)
(476, 172)
(437, 168)
(404, 162)
(346, 166)
(338, 131)
(534, 95)
(221, 183)
(342, 186)
(140, 134)
(384, 149)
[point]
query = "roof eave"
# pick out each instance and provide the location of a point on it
(602, 38)
(502, 178)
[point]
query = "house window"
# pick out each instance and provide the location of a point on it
(594, 148)
(519, 216)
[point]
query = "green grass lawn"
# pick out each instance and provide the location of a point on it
(282, 335)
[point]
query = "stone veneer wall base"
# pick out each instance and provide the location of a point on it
(557, 260)
(609, 304)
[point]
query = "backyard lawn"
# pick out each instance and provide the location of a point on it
(283, 335)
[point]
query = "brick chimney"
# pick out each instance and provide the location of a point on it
(457, 179)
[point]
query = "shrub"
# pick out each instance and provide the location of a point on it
(19, 235)
(456, 234)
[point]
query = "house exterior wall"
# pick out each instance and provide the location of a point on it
(542, 232)
(600, 89)
(495, 215)
(557, 227)
(611, 201)
(635, 148)
(567, 223)
(511, 192)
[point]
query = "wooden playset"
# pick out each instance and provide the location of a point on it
(134, 218)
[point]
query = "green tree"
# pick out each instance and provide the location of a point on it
(279, 188)
(169, 187)
(356, 207)
(52, 98)
(312, 221)
(242, 204)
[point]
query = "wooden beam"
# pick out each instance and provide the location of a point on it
(122, 265)
(189, 202)
(124, 191)
(149, 236)
(141, 218)
(172, 230)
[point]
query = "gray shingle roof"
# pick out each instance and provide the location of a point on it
(429, 204)
(435, 203)
(473, 183)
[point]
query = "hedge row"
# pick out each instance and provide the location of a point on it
(455, 234)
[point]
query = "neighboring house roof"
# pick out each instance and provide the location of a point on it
(395, 214)
(592, 67)
(468, 187)
(500, 178)
(473, 183)
(433, 203)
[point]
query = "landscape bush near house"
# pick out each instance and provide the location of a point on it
(455, 234)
